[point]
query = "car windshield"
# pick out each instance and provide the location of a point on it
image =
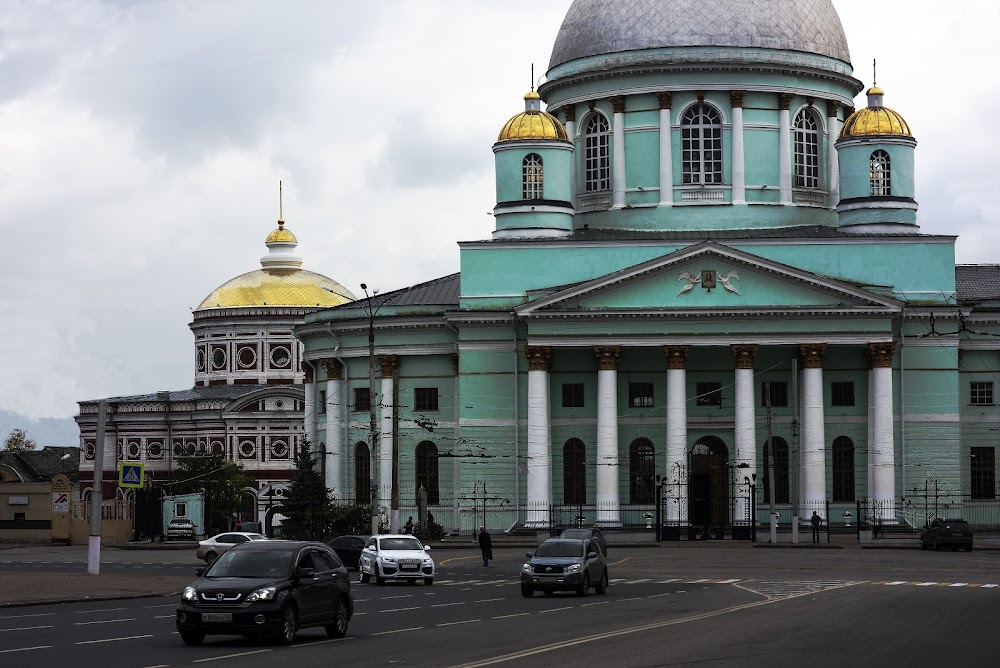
(256, 536)
(400, 544)
(560, 548)
(576, 533)
(252, 564)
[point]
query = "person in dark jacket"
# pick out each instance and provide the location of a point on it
(486, 545)
(815, 520)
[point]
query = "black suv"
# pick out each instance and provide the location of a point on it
(267, 588)
(565, 564)
(953, 533)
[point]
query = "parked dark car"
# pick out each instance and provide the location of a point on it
(267, 588)
(565, 564)
(180, 528)
(953, 533)
(348, 548)
(588, 534)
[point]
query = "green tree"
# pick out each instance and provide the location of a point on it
(306, 507)
(222, 481)
(18, 441)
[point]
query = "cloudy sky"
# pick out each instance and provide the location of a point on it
(141, 145)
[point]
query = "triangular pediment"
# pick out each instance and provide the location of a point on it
(710, 277)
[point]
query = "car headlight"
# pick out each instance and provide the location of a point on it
(575, 568)
(262, 594)
(387, 560)
(428, 562)
(189, 594)
(525, 567)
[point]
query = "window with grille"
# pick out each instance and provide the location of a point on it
(641, 471)
(574, 472)
(426, 457)
(425, 399)
(701, 145)
(843, 469)
(983, 472)
(881, 175)
(362, 399)
(362, 473)
(531, 177)
(806, 150)
(708, 394)
(572, 395)
(322, 401)
(981, 394)
(780, 447)
(640, 395)
(597, 165)
(842, 393)
(779, 393)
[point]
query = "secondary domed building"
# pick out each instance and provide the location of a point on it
(706, 293)
(248, 400)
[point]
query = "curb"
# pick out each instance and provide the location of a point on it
(85, 599)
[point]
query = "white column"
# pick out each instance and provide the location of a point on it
(739, 167)
(618, 154)
(309, 414)
(833, 162)
(745, 433)
(812, 458)
(676, 470)
(334, 430)
(785, 149)
(666, 152)
(539, 438)
(870, 490)
(385, 399)
(884, 459)
(570, 126)
(608, 509)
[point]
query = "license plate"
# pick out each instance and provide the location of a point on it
(217, 617)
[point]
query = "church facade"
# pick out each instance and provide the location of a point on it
(706, 275)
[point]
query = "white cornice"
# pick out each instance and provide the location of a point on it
(710, 340)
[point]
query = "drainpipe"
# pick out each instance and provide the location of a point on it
(456, 465)
(902, 402)
(517, 422)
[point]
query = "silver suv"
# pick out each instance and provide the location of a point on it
(396, 557)
(565, 564)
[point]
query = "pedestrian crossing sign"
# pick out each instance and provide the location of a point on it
(130, 475)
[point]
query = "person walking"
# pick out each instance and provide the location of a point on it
(408, 528)
(485, 545)
(815, 520)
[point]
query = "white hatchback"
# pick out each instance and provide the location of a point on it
(396, 557)
(210, 548)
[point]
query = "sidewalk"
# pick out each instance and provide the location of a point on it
(21, 588)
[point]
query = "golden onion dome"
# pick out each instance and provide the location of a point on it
(281, 234)
(277, 287)
(875, 90)
(533, 123)
(875, 119)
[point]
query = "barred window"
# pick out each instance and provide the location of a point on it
(641, 471)
(425, 399)
(640, 395)
(531, 177)
(572, 395)
(806, 150)
(881, 175)
(842, 393)
(779, 393)
(780, 449)
(708, 394)
(981, 394)
(322, 402)
(362, 399)
(362, 473)
(426, 457)
(574, 472)
(843, 469)
(597, 165)
(983, 472)
(701, 145)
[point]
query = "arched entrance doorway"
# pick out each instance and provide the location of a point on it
(708, 486)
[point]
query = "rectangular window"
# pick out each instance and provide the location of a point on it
(425, 399)
(708, 394)
(983, 472)
(981, 394)
(572, 395)
(779, 393)
(640, 395)
(842, 393)
(180, 510)
(322, 402)
(362, 399)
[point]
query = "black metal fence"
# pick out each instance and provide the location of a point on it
(908, 516)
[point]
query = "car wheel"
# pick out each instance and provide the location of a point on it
(602, 586)
(379, 580)
(547, 592)
(192, 637)
(210, 558)
(527, 592)
(289, 626)
(923, 545)
(338, 628)
(584, 588)
(954, 548)
(428, 582)
(365, 578)
(934, 545)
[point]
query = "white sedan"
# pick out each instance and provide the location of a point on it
(396, 557)
(210, 548)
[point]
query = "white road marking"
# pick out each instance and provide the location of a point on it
(728, 582)
(926, 584)
(542, 612)
(168, 605)
(39, 614)
(659, 595)
(896, 582)
(25, 649)
(584, 605)
(87, 612)
(663, 582)
(91, 642)
(445, 605)
(691, 582)
(464, 621)
(634, 598)
(106, 621)
(488, 600)
(639, 581)
(230, 656)
(164, 616)
(989, 586)
(959, 584)
(27, 628)
(400, 609)
(412, 628)
(516, 614)
(387, 598)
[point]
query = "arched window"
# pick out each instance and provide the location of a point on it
(641, 471)
(780, 448)
(843, 469)
(881, 175)
(427, 471)
(597, 166)
(806, 150)
(701, 145)
(362, 473)
(574, 472)
(531, 177)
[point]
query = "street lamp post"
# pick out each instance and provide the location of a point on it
(373, 469)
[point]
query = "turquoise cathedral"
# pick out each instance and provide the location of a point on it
(706, 275)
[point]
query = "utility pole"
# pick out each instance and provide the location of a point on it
(371, 407)
(97, 492)
(770, 464)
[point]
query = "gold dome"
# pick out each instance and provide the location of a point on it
(281, 234)
(875, 90)
(533, 125)
(875, 121)
(278, 287)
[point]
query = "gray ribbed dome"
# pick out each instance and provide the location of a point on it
(597, 27)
